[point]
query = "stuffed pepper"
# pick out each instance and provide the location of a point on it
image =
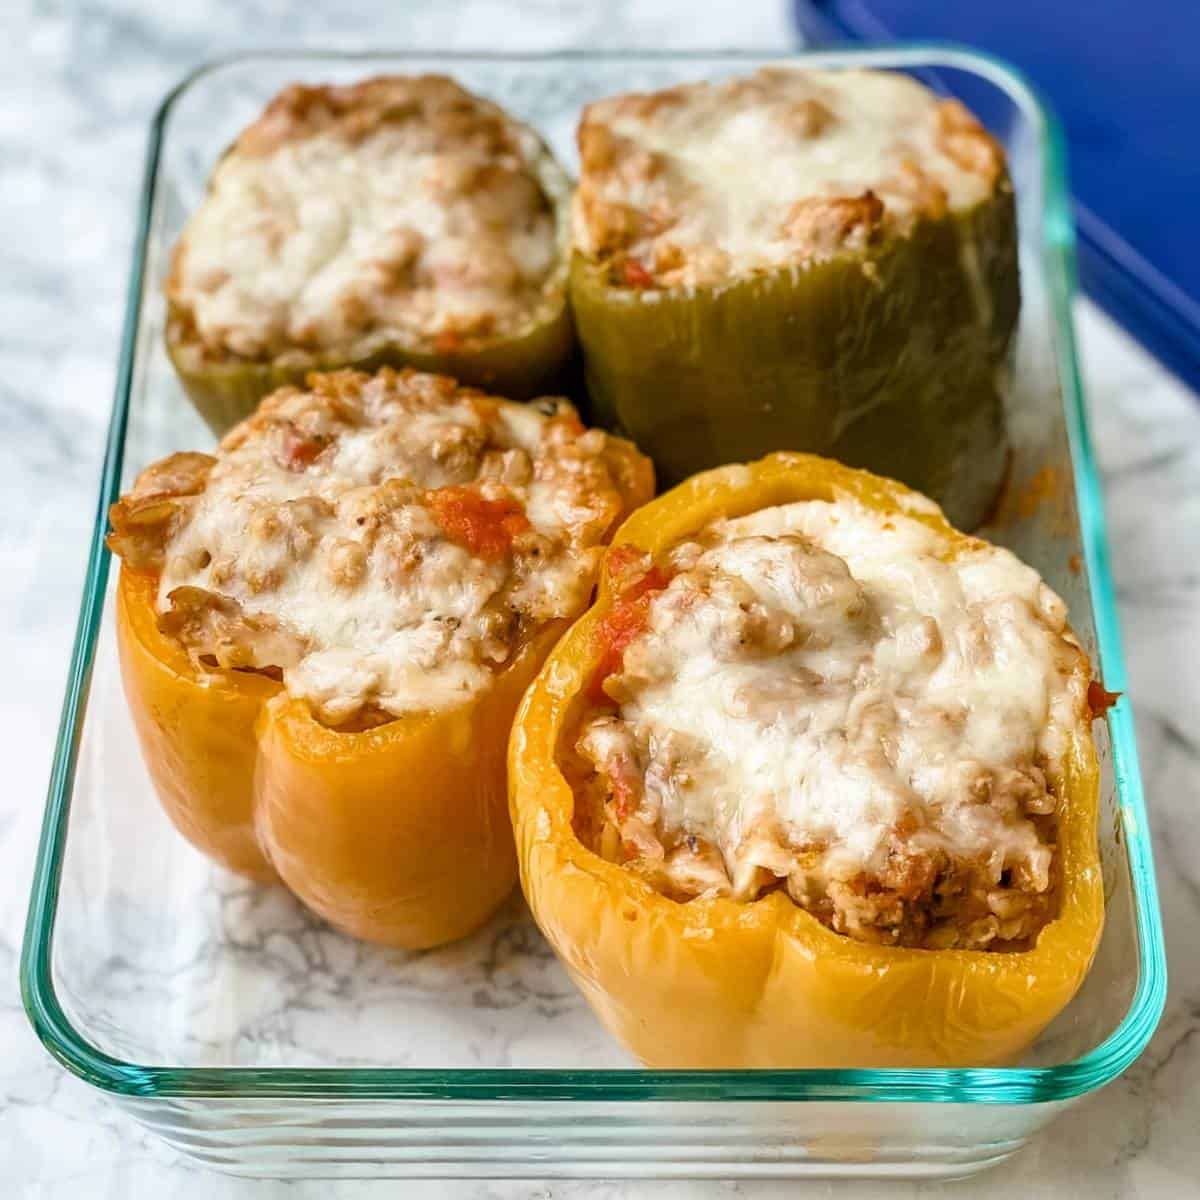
(325, 630)
(396, 221)
(813, 783)
(803, 260)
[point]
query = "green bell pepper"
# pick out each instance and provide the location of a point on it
(892, 359)
(531, 361)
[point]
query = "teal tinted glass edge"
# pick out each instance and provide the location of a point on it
(1058, 234)
(966, 1085)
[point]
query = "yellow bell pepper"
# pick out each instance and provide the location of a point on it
(715, 983)
(396, 834)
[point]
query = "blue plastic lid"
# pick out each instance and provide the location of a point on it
(1123, 80)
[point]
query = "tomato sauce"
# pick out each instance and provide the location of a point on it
(300, 450)
(635, 275)
(1099, 699)
(485, 527)
(621, 624)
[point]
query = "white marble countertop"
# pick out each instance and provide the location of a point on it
(78, 82)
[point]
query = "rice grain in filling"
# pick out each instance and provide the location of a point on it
(821, 698)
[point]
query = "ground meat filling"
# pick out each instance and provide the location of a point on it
(396, 210)
(820, 699)
(384, 543)
(705, 182)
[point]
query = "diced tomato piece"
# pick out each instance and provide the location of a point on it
(300, 450)
(485, 527)
(621, 624)
(635, 275)
(1100, 700)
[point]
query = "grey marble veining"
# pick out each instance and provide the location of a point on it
(78, 82)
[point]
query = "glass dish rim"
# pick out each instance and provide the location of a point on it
(993, 1085)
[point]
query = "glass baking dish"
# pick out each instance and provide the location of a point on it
(256, 1040)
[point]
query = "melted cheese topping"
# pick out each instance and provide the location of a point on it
(823, 698)
(397, 211)
(706, 181)
(385, 542)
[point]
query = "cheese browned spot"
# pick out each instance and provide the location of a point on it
(385, 541)
(826, 699)
(394, 211)
(705, 182)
